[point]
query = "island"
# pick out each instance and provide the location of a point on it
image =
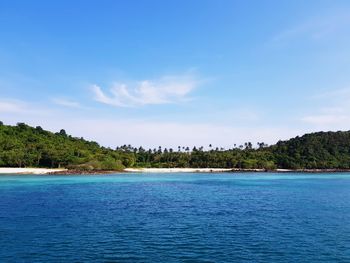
(26, 149)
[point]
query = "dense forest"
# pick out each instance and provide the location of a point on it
(25, 146)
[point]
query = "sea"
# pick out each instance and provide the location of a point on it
(175, 217)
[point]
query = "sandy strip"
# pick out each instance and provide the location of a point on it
(28, 170)
(177, 170)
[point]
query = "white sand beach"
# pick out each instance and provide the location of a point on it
(178, 170)
(198, 170)
(4, 170)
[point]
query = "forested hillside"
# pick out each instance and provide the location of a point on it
(316, 150)
(25, 146)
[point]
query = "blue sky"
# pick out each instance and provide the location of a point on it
(176, 72)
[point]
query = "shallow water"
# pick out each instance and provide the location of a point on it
(248, 217)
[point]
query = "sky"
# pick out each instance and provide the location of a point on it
(178, 72)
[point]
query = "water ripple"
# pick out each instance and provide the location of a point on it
(175, 218)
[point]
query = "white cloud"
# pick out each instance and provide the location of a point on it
(318, 27)
(335, 112)
(11, 109)
(168, 89)
(327, 119)
(66, 102)
(337, 94)
(12, 106)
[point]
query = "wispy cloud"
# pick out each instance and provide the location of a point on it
(12, 106)
(317, 27)
(66, 102)
(327, 119)
(18, 109)
(335, 114)
(168, 89)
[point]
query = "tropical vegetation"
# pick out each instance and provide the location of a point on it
(25, 146)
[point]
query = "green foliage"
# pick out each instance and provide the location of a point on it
(25, 146)
(319, 150)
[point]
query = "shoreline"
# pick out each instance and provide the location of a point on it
(229, 170)
(12, 170)
(177, 170)
(61, 171)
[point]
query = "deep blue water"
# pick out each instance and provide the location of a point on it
(175, 218)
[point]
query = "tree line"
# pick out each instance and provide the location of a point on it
(25, 146)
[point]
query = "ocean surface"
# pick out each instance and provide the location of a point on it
(248, 217)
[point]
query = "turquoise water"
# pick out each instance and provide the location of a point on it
(249, 217)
